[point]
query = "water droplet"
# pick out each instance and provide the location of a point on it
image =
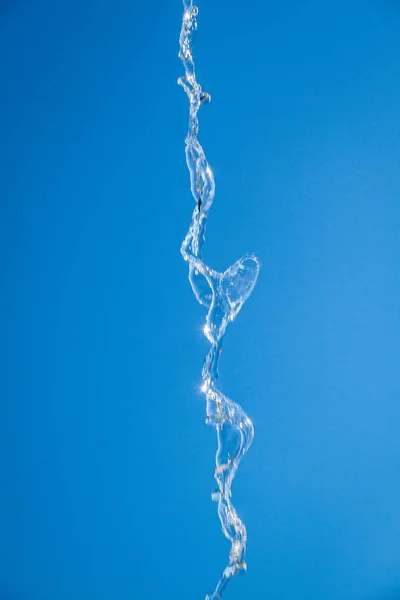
(205, 98)
(215, 495)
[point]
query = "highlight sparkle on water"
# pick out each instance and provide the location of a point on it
(223, 295)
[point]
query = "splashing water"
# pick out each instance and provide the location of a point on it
(223, 295)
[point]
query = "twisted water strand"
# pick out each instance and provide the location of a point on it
(223, 295)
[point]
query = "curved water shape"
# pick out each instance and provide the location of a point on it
(223, 295)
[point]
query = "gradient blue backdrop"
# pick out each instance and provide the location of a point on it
(106, 461)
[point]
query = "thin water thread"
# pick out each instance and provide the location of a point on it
(223, 295)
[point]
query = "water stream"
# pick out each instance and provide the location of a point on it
(222, 295)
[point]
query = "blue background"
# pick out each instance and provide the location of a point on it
(106, 464)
